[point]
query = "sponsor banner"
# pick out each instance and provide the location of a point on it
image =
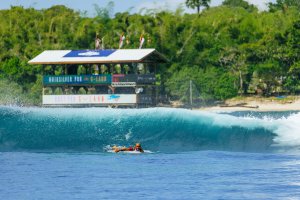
(145, 99)
(89, 99)
(77, 79)
(89, 53)
(123, 84)
(138, 78)
(146, 78)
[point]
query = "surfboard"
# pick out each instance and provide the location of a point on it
(127, 152)
(110, 149)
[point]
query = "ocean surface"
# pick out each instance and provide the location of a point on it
(59, 153)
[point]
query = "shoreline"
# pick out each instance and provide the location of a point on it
(258, 105)
(232, 105)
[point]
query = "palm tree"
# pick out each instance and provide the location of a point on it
(197, 4)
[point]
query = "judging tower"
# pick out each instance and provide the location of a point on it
(114, 78)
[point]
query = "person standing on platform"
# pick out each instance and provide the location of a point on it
(97, 42)
(122, 38)
(96, 70)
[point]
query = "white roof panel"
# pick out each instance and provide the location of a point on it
(95, 56)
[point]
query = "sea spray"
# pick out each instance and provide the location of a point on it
(288, 132)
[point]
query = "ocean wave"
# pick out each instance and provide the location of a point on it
(158, 129)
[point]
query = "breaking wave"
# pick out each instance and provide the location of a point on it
(158, 129)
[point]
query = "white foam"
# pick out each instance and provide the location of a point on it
(128, 135)
(288, 131)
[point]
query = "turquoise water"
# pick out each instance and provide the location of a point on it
(58, 154)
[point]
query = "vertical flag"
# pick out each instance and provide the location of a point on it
(102, 43)
(122, 38)
(142, 40)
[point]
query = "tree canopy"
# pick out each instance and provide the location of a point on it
(239, 3)
(284, 4)
(227, 51)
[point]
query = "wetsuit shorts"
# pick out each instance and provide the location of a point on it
(130, 149)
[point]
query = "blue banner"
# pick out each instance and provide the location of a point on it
(90, 53)
(77, 79)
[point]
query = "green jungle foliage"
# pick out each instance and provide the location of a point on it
(229, 50)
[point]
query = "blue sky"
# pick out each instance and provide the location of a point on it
(120, 5)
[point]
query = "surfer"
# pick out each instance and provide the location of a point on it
(137, 147)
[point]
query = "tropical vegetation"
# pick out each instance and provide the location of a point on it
(230, 50)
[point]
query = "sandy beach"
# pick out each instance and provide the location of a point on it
(258, 104)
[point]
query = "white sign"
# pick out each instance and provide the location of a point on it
(89, 99)
(89, 53)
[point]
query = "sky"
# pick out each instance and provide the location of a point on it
(119, 5)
